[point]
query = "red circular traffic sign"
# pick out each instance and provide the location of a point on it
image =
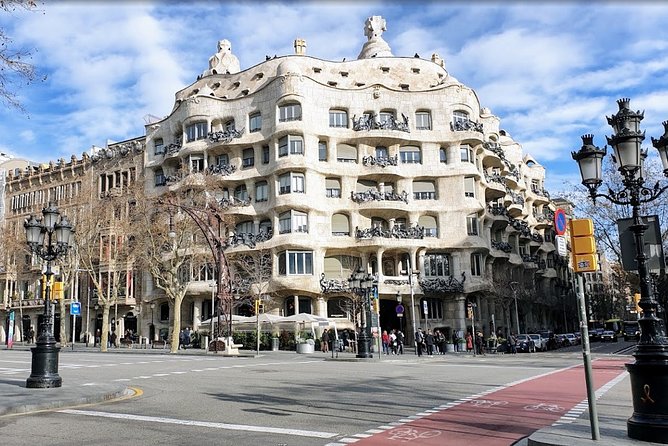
(560, 221)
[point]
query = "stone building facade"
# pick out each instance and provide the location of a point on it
(385, 164)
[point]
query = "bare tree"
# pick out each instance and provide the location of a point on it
(15, 67)
(251, 276)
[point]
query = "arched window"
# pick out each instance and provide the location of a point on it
(346, 153)
(429, 224)
(340, 225)
(365, 185)
(164, 312)
(423, 120)
(338, 118)
(245, 227)
(333, 188)
(290, 112)
(254, 122)
(443, 154)
(410, 155)
(241, 193)
(424, 190)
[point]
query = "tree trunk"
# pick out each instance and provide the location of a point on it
(176, 327)
(104, 336)
(63, 323)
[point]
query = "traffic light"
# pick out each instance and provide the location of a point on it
(376, 306)
(583, 245)
(57, 291)
(259, 307)
(636, 300)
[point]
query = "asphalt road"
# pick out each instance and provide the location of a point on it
(277, 399)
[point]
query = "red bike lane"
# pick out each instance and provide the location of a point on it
(501, 417)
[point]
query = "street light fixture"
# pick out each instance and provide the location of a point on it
(362, 283)
(44, 371)
(649, 373)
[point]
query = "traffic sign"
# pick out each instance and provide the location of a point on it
(399, 309)
(425, 308)
(562, 246)
(75, 308)
(560, 221)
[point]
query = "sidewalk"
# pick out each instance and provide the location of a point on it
(614, 407)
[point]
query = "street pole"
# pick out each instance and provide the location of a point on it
(513, 286)
(410, 285)
(586, 356)
(88, 316)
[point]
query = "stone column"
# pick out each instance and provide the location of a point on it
(197, 313)
(460, 313)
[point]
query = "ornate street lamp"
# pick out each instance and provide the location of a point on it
(362, 284)
(44, 372)
(649, 373)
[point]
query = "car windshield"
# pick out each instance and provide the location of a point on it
(608, 333)
(522, 337)
(534, 336)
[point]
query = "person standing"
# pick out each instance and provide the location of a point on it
(469, 342)
(393, 342)
(385, 338)
(455, 340)
(400, 342)
(429, 339)
(324, 341)
(419, 342)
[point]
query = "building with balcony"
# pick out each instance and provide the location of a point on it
(382, 163)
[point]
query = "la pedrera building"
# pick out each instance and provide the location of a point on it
(382, 163)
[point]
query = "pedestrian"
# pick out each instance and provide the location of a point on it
(385, 338)
(513, 343)
(393, 342)
(419, 342)
(97, 337)
(182, 339)
(324, 341)
(112, 339)
(31, 335)
(469, 342)
(344, 340)
(455, 340)
(439, 339)
(429, 340)
(480, 344)
(400, 342)
(187, 338)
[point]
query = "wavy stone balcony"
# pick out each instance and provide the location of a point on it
(466, 125)
(248, 239)
(221, 169)
(375, 195)
(225, 136)
(371, 160)
(369, 122)
(442, 284)
(415, 232)
(502, 246)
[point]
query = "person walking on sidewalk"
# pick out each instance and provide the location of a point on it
(324, 341)
(419, 342)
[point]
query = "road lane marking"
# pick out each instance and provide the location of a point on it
(225, 426)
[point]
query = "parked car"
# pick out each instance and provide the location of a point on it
(524, 344)
(578, 337)
(539, 342)
(570, 337)
(609, 336)
(561, 340)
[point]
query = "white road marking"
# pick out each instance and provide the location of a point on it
(235, 427)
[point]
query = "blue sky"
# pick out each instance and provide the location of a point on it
(551, 71)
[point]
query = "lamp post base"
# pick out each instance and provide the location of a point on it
(649, 389)
(364, 345)
(44, 371)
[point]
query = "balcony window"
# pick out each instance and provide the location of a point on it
(291, 183)
(291, 144)
(423, 120)
(382, 153)
(196, 163)
(469, 187)
(261, 191)
(195, 131)
(158, 146)
(248, 158)
(222, 160)
(346, 153)
(437, 265)
(241, 193)
(476, 264)
(338, 118)
(322, 151)
(386, 116)
(265, 154)
(293, 263)
(459, 117)
(332, 188)
(410, 155)
(472, 225)
(443, 155)
(424, 190)
(467, 154)
(229, 126)
(265, 226)
(340, 225)
(429, 224)
(434, 307)
(245, 227)
(254, 122)
(290, 112)
(292, 221)
(160, 179)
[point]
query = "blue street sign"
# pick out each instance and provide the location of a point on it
(375, 292)
(399, 309)
(75, 308)
(560, 222)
